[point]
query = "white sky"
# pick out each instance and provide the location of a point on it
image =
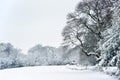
(25, 23)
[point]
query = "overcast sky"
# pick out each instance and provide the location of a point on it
(25, 23)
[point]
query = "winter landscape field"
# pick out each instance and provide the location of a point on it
(59, 39)
(52, 73)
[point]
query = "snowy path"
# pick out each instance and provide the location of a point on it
(51, 73)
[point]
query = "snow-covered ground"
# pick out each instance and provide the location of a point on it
(52, 73)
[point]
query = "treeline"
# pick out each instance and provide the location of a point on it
(11, 57)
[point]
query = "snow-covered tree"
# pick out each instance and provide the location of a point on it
(76, 56)
(85, 26)
(110, 45)
(116, 30)
(45, 55)
(8, 56)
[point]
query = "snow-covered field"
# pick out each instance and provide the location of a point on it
(52, 73)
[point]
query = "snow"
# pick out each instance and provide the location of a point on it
(51, 73)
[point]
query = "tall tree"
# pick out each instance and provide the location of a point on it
(110, 46)
(85, 26)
